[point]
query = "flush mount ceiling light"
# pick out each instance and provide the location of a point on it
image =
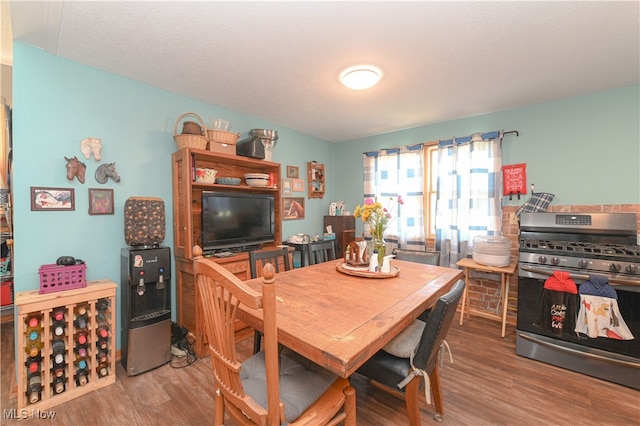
(360, 77)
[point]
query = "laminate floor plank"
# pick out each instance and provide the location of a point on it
(487, 384)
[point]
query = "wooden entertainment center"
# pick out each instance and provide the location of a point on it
(187, 223)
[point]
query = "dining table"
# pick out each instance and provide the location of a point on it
(339, 317)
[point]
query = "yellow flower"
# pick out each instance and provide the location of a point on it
(376, 216)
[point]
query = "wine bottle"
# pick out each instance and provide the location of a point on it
(102, 343)
(33, 347)
(58, 325)
(82, 338)
(34, 387)
(102, 305)
(33, 363)
(58, 348)
(59, 384)
(103, 326)
(82, 377)
(103, 368)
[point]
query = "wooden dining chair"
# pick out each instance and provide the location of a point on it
(257, 260)
(321, 251)
(278, 257)
(413, 355)
(270, 388)
(418, 256)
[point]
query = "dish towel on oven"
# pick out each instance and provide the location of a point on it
(558, 304)
(599, 314)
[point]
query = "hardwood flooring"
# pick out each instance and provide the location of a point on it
(487, 384)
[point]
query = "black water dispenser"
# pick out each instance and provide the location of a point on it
(146, 307)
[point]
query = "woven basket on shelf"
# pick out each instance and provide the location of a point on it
(190, 141)
(222, 136)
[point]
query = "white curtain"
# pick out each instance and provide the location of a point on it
(392, 172)
(468, 193)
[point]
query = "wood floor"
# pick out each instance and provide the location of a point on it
(487, 384)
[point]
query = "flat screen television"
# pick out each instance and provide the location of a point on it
(232, 220)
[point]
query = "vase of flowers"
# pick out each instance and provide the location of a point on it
(377, 217)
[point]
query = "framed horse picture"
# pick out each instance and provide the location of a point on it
(100, 201)
(51, 199)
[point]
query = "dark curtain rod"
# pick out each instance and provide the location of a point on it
(511, 131)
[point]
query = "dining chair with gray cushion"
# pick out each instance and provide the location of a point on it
(279, 257)
(418, 256)
(271, 387)
(413, 355)
(321, 251)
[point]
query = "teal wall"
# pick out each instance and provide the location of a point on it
(56, 104)
(585, 150)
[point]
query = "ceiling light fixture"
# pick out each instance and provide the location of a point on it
(360, 77)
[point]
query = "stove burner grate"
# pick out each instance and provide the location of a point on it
(569, 247)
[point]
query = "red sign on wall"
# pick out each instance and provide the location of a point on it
(514, 178)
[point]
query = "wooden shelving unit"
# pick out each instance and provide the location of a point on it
(315, 179)
(187, 223)
(42, 381)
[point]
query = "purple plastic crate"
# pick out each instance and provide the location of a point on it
(58, 277)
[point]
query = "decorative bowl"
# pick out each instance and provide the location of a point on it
(257, 179)
(204, 175)
(228, 181)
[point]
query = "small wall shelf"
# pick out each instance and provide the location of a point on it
(315, 177)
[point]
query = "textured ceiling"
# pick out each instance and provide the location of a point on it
(280, 61)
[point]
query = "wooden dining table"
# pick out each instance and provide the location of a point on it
(338, 320)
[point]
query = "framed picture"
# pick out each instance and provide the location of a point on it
(292, 172)
(298, 185)
(287, 184)
(49, 199)
(293, 208)
(100, 201)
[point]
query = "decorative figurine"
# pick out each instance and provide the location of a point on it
(75, 168)
(106, 171)
(91, 146)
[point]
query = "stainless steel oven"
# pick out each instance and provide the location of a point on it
(591, 247)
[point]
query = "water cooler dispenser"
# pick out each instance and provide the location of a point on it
(146, 307)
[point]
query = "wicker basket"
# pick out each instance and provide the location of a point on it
(190, 141)
(222, 141)
(221, 136)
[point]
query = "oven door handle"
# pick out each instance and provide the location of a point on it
(549, 272)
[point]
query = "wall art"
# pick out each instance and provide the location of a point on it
(298, 185)
(51, 199)
(293, 208)
(287, 185)
(292, 172)
(100, 201)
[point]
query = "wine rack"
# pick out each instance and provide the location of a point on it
(65, 344)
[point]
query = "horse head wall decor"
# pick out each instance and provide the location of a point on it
(106, 171)
(75, 169)
(91, 146)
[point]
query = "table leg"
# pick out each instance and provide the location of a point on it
(505, 301)
(464, 295)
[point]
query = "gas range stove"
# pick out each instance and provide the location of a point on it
(586, 243)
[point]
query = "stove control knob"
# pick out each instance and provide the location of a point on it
(583, 263)
(615, 267)
(555, 261)
(542, 259)
(632, 269)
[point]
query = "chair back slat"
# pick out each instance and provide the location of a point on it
(321, 251)
(277, 257)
